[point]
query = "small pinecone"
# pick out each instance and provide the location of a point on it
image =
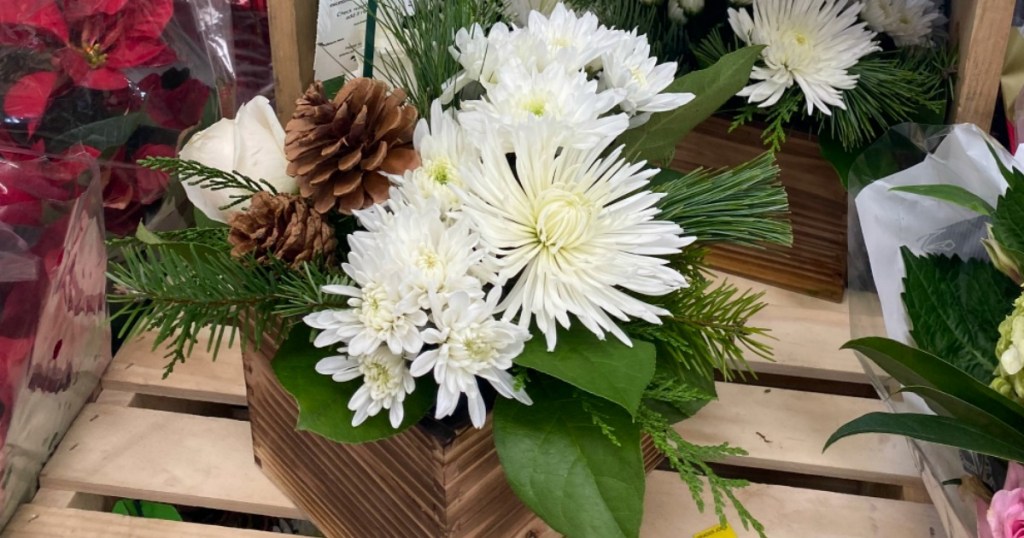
(281, 226)
(339, 149)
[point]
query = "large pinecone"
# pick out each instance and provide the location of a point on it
(281, 226)
(340, 148)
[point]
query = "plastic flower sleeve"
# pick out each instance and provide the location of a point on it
(126, 80)
(54, 337)
(883, 221)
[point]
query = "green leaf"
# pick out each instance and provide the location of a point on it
(953, 194)
(564, 468)
(954, 308)
(101, 135)
(932, 428)
(1008, 218)
(606, 368)
(655, 141)
(911, 366)
(146, 509)
(838, 156)
(333, 85)
(323, 403)
(951, 406)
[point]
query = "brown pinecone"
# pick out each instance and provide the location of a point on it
(340, 148)
(281, 226)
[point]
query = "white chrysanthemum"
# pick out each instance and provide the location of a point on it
(570, 41)
(386, 381)
(522, 8)
(681, 10)
(524, 97)
(578, 233)
(470, 344)
(443, 147)
(812, 43)
(909, 22)
(629, 67)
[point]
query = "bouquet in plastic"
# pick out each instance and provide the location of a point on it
(484, 244)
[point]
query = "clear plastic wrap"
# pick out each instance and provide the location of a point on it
(881, 222)
(125, 79)
(54, 337)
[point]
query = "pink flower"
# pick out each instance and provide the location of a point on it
(1005, 515)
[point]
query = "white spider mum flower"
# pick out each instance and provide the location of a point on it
(909, 22)
(630, 67)
(577, 230)
(442, 146)
(470, 344)
(553, 97)
(570, 41)
(386, 381)
(812, 43)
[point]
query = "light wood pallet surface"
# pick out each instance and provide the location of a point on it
(168, 440)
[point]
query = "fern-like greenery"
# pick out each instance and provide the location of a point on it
(422, 35)
(199, 175)
(178, 290)
(743, 205)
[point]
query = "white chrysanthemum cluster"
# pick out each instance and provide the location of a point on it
(518, 217)
(910, 23)
(810, 43)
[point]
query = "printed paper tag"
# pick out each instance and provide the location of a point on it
(718, 531)
(340, 35)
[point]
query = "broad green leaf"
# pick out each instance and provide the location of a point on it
(839, 157)
(564, 468)
(911, 366)
(951, 406)
(606, 368)
(954, 308)
(1008, 219)
(146, 509)
(655, 141)
(953, 194)
(101, 135)
(323, 403)
(333, 85)
(932, 428)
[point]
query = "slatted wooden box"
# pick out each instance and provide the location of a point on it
(418, 483)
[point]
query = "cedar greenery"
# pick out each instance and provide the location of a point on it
(199, 175)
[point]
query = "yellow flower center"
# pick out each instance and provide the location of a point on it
(440, 170)
(800, 39)
(535, 105)
(638, 76)
(94, 55)
(563, 219)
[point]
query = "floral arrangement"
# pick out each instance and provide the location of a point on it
(968, 333)
(486, 244)
(99, 80)
(846, 71)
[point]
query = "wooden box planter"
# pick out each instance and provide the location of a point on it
(420, 483)
(816, 263)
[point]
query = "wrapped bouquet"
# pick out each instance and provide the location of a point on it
(484, 245)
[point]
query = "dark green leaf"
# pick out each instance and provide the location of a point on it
(323, 403)
(333, 85)
(101, 135)
(911, 366)
(838, 156)
(607, 368)
(955, 307)
(1008, 219)
(656, 140)
(953, 194)
(564, 468)
(935, 429)
(146, 509)
(951, 406)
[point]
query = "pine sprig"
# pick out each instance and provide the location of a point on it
(743, 205)
(666, 37)
(199, 175)
(179, 292)
(691, 462)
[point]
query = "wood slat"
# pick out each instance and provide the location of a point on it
(34, 521)
(785, 430)
(787, 513)
(166, 457)
(137, 368)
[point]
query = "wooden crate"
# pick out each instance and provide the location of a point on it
(169, 441)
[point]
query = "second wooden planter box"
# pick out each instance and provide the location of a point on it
(816, 263)
(420, 483)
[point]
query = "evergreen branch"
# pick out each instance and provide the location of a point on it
(214, 238)
(742, 205)
(665, 36)
(598, 419)
(178, 293)
(199, 175)
(423, 35)
(707, 328)
(691, 462)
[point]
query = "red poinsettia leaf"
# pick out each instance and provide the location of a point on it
(177, 108)
(41, 14)
(79, 9)
(146, 19)
(28, 98)
(100, 78)
(139, 53)
(151, 184)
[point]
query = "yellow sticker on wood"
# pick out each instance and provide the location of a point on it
(718, 531)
